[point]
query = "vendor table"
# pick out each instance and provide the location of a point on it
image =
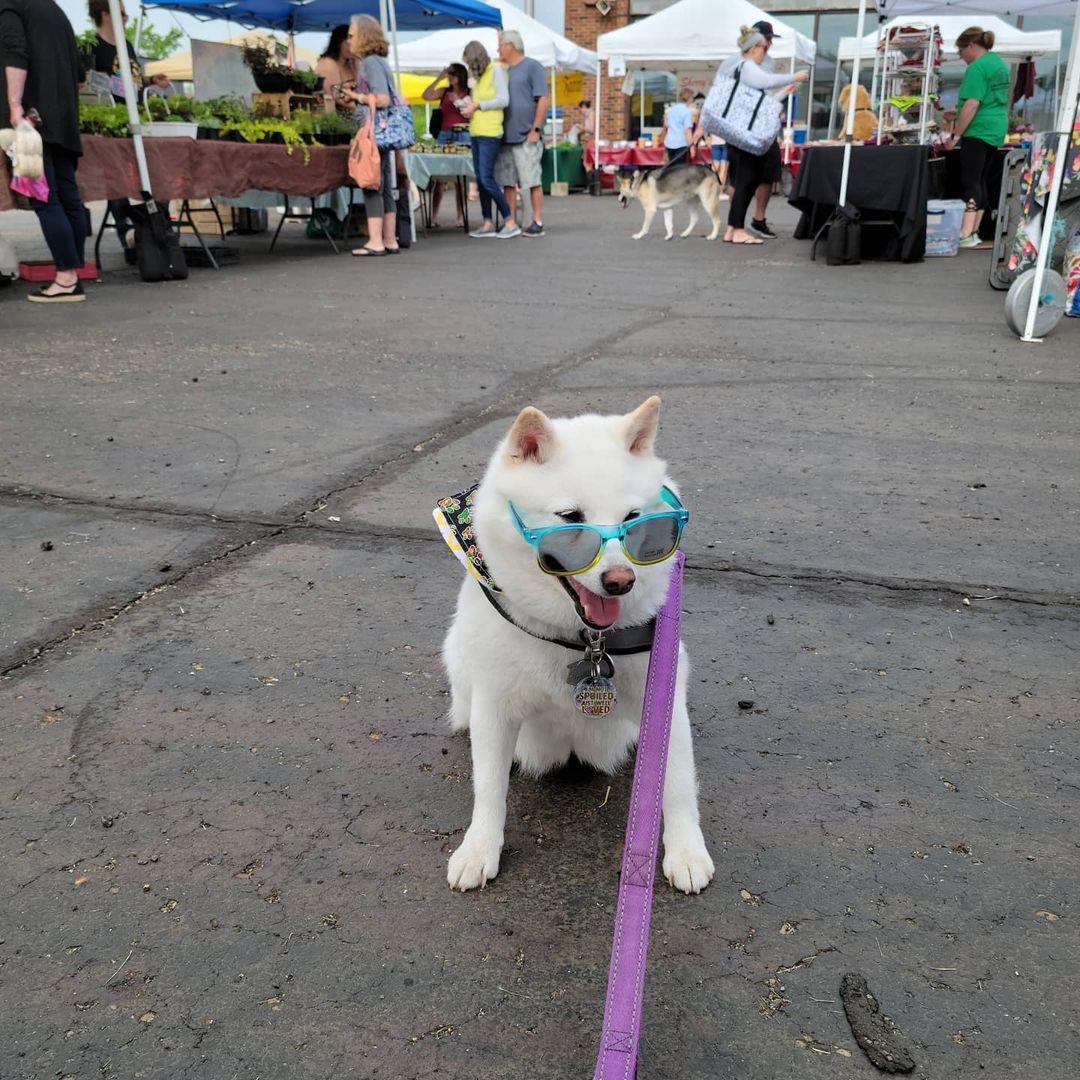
(642, 157)
(423, 169)
(199, 169)
(884, 180)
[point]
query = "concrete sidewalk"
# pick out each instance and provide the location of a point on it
(228, 794)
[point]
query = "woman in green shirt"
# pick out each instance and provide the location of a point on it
(981, 124)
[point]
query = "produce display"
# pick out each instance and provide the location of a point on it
(222, 118)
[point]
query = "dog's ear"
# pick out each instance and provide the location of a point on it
(531, 438)
(640, 426)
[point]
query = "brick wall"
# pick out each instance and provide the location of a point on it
(583, 25)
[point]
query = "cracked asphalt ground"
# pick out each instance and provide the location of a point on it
(227, 794)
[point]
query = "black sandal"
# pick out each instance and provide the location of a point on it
(367, 253)
(72, 294)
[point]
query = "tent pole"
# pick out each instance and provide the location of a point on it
(138, 29)
(850, 126)
(641, 104)
(131, 98)
(554, 152)
(390, 6)
(596, 127)
(789, 133)
(1065, 121)
(835, 97)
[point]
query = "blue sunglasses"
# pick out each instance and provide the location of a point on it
(565, 550)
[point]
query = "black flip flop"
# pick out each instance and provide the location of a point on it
(367, 253)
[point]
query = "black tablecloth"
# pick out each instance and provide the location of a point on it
(884, 180)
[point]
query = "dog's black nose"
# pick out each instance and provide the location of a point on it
(618, 581)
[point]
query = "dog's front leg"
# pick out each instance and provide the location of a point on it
(649, 215)
(669, 224)
(687, 864)
(493, 735)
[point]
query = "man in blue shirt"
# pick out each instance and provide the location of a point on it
(522, 151)
(679, 128)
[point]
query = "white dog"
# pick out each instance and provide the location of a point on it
(510, 687)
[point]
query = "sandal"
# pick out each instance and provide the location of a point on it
(63, 294)
(368, 253)
(392, 251)
(755, 243)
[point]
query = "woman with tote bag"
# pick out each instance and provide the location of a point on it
(749, 169)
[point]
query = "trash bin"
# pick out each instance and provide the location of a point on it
(571, 169)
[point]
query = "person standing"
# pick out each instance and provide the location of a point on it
(103, 58)
(374, 82)
(981, 124)
(522, 152)
(484, 111)
(453, 128)
(335, 69)
(40, 71)
(752, 172)
(678, 131)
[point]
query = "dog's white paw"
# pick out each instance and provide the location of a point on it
(475, 863)
(637, 236)
(670, 236)
(687, 865)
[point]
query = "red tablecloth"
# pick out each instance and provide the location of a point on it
(199, 169)
(643, 157)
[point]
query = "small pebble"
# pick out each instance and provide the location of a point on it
(46, 545)
(745, 704)
(770, 619)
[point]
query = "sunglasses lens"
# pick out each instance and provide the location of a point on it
(568, 550)
(652, 540)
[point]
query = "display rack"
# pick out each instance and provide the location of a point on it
(906, 79)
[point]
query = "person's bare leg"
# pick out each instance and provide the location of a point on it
(762, 194)
(389, 230)
(511, 198)
(459, 196)
(436, 202)
(537, 196)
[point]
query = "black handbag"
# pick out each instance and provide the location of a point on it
(843, 247)
(435, 124)
(157, 242)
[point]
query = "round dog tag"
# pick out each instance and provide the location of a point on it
(595, 695)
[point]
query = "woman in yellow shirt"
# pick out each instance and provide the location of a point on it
(490, 94)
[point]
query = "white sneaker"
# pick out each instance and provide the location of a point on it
(970, 241)
(483, 234)
(509, 231)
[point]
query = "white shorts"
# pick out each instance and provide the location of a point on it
(519, 163)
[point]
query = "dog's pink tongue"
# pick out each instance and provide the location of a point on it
(599, 610)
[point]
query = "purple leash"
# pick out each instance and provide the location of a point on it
(626, 976)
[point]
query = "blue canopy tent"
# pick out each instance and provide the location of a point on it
(297, 16)
(294, 16)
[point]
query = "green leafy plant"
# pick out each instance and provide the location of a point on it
(152, 45)
(257, 131)
(227, 109)
(108, 120)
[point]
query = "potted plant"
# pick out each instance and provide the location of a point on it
(269, 76)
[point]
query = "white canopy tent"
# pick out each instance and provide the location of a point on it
(1010, 44)
(434, 51)
(697, 31)
(692, 33)
(1066, 113)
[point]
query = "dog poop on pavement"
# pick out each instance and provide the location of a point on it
(880, 1039)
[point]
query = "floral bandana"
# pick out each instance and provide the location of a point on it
(453, 515)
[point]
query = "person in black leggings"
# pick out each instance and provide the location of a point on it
(981, 124)
(748, 170)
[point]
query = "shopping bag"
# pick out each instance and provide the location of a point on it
(745, 117)
(157, 243)
(364, 165)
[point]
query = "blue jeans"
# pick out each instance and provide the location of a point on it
(451, 136)
(63, 217)
(485, 149)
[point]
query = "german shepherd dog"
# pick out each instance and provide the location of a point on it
(664, 189)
